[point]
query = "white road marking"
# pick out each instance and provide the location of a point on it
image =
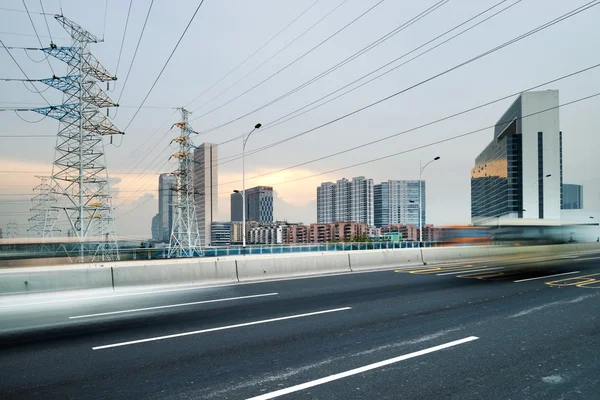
(546, 276)
(587, 259)
(469, 270)
(173, 305)
(176, 335)
(360, 370)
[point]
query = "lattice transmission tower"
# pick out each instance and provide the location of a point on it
(185, 235)
(79, 175)
(43, 210)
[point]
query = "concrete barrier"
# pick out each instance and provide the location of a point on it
(374, 259)
(38, 280)
(128, 274)
(251, 268)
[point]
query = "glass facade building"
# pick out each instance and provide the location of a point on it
(519, 174)
(397, 202)
(259, 203)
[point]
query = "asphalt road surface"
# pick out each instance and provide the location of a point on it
(508, 329)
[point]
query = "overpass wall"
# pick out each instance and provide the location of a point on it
(118, 276)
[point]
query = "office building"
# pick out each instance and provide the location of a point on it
(519, 174)
(221, 233)
(346, 201)
(236, 207)
(397, 202)
(167, 197)
(326, 195)
(259, 204)
(572, 197)
(206, 189)
(156, 228)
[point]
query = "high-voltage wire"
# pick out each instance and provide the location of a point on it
(340, 64)
(166, 63)
(294, 61)
(272, 56)
(46, 21)
(327, 72)
(431, 78)
(363, 145)
(254, 53)
(123, 40)
(38, 36)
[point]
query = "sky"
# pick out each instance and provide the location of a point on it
(225, 35)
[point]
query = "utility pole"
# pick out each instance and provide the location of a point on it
(79, 174)
(185, 235)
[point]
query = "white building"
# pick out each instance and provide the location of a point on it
(269, 234)
(519, 174)
(362, 201)
(167, 196)
(346, 201)
(206, 188)
(326, 203)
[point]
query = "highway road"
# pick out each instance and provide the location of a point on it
(508, 329)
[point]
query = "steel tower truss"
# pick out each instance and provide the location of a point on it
(79, 175)
(185, 236)
(43, 211)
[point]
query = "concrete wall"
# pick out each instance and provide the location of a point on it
(223, 270)
(51, 279)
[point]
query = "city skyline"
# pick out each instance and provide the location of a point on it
(135, 162)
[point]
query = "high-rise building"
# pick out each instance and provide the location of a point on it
(156, 228)
(346, 201)
(326, 203)
(236, 206)
(167, 196)
(519, 174)
(397, 202)
(572, 198)
(259, 204)
(362, 200)
(343, 200)
(206, 189)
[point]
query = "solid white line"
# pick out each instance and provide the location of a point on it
(470, 270)
(547, 276)
(360, 370)
(264, 321)
(173, 305)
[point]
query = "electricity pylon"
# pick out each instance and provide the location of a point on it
(43, 210)
(79, 175)
(185, 236)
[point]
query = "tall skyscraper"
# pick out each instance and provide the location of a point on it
(259, 204)
(397, 202)
(519, 174)
(346, 201)
(236, 207)
(326, 203)
(343, 200)
(362, 200)
(205, 186)
(166, 211)
(572, 197)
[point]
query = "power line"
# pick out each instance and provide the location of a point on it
(166, 63)
(123, 40)
(466, 111)
(134, 53)
(46, 20)
(253, 54)
(419, 147)
(293, 62)
(473, 59)
(340, 64)
(21, 11)
(38, 37)
(18, 65)
(272, 56)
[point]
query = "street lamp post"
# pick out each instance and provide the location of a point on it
(421, 198)
(244, 141)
